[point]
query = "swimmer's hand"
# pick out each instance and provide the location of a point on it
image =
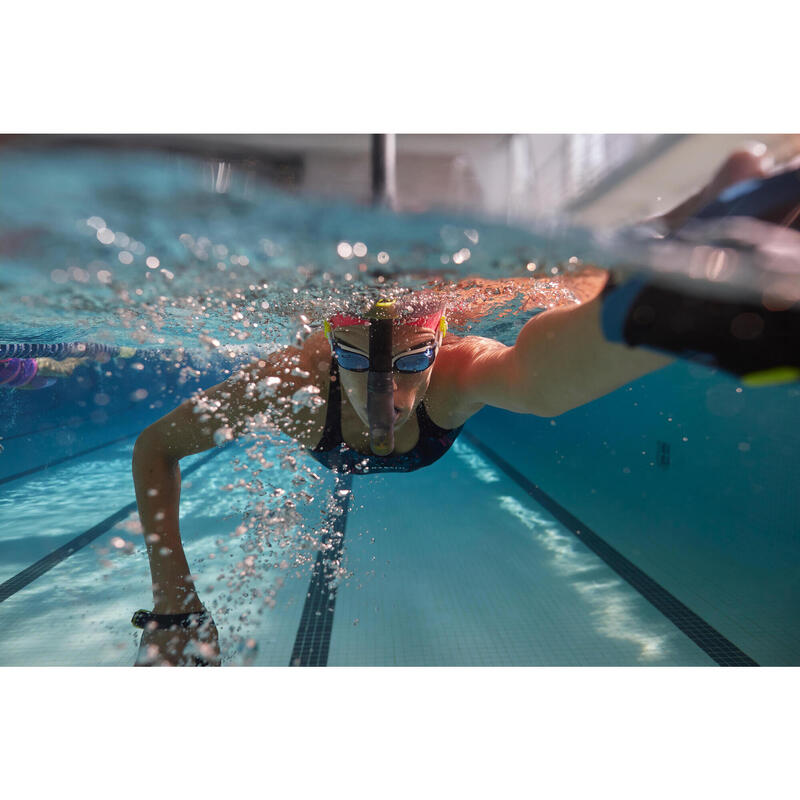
(180, 647)
(746, 163)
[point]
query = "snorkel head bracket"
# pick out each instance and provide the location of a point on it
(380, 383)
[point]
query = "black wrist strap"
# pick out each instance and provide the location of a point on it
(191, 619)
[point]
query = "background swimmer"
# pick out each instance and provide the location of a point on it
(35, 373)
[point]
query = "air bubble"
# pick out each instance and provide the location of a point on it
(222, 435)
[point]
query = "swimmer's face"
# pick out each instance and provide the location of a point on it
(409, 388)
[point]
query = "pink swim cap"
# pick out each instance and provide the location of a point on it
(422, 310)
(430, 321)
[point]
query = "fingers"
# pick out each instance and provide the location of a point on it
(742, 165)
(745, 163)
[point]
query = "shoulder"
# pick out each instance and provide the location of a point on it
(311, 354)
(463, 351)
(462, 366)
(266, 386)
(294, 366)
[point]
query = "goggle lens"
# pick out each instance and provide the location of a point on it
(354, 362)
(416, 362)
(409, 363)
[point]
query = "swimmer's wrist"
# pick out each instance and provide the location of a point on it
(153, 620)
(176, 599)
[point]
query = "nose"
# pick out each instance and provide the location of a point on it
(405, 393)
(402, 402)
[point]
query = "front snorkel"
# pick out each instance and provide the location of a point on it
(380, 384)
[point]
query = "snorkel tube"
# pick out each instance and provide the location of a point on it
(380, 384)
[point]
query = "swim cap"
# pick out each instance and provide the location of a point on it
(429, 315)
(429, 321)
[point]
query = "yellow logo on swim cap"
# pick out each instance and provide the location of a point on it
(385, 308)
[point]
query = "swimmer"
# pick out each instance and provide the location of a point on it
(386, 389)
(35, 373)
(20, 371)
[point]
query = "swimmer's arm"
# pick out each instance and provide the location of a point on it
(560, 361)
(157, 480)
(228, 406)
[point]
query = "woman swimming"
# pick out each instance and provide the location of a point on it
(386, 389)
(35, 373)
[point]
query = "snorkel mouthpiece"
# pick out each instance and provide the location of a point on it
(380, 385)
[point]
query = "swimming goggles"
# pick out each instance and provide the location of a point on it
(417, 360)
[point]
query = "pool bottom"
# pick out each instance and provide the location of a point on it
(464, 570)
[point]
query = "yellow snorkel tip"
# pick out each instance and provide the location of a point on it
(385, 308)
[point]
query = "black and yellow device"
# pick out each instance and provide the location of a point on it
(753, 338)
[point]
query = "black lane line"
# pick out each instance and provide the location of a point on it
(31, 573)
(66, 458)
(313, 638)
(723, 651)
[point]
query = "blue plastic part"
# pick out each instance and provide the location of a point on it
(616, 306)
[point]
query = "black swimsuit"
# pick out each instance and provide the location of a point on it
(332, 451)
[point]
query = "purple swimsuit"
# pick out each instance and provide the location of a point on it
(16, 372)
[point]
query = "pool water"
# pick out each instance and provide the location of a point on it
(653, 527)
